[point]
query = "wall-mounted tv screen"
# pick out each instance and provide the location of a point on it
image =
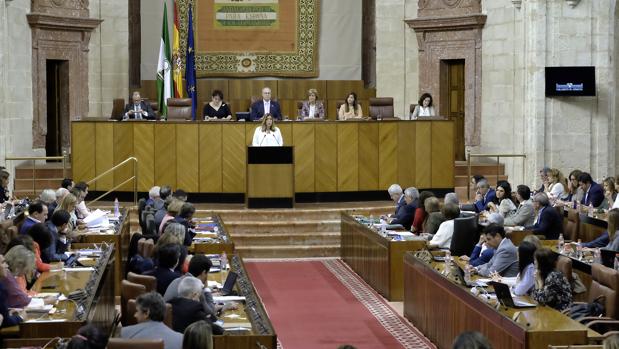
(570, 81)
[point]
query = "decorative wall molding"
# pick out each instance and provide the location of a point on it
(573, 3)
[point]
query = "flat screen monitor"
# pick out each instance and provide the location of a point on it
(570, 81)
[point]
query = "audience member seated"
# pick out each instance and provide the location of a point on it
(153, 196)
(167, 259)
(574, 191)
(81, 210)
(452, 198)
(505, 259)
(217, 109)
(67, 183)
(543, 176)
(42, 240)
(198, 335)
(60, 194)
(471, 340)
(420, 212)
(484, 195)
(435, 216)
(14, 296)
(351, 109)
(610, 193)
(267, 134)
(161, 213)
(442, 238)
(525, 281)
(138, 109)
(424, 107)
(404, 216)
(174, 233)
(57, 227)
(549, 222)
(68, 204)
(395, 193)
(613, 226)
(150, 312)
(503, 202)
(4, 186)
(199, 267)
(555, 187)
(265, 106)
(481, 254)
(47, 196)
(594, 194)
(525, 213)
(37, 213)
(174, 208)
(88, 337)
(7, 317)
(180, 194)
(312, 108)
(21, 262)
(187, 308)
(551, 286)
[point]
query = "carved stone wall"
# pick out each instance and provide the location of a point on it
(60, 31)
(447, 30)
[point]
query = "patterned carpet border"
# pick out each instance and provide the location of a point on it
(279, 260)
(398, 327)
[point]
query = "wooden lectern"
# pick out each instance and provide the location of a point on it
(270, 177)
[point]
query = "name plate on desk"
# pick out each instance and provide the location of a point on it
(270, 155)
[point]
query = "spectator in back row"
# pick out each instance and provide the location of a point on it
(594, 194)
(153, 195)
(549, 222)
(503, 202)
(484, 195)
(67, 183)
(47, 196)
(525, 213)
(574, 191)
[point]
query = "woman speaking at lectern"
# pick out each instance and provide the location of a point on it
(267, 135)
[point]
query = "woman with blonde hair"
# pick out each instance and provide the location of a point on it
(613, 226)
(610, 192)
(312, 108)
(555, 188)
(267, 134)
(198, 335)
(69, 203)
(174, 207)
(174, 233)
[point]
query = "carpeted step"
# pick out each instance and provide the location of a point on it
(293, 215)
(290, 227)
(308, 238)
(282, 251)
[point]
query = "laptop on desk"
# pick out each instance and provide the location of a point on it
(504, 296)
(227, 289)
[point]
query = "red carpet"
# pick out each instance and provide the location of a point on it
(323, 304)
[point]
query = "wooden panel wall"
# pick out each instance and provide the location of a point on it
(210, 157)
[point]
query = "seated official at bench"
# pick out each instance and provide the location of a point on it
(265, 106)
(138, 109)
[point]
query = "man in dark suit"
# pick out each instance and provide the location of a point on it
(169, 256)
(37, 213)
(265, 106)
(138, 109)
(594, 193)
(484, 195)
(549, 222)
(187, 308)
(404, 216)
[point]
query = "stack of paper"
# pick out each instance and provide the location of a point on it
(97, 219)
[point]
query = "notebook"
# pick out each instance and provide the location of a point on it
(504, 295)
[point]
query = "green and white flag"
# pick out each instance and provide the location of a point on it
(164, 68)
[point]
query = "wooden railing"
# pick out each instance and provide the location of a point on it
(498, 165)
(133, 178)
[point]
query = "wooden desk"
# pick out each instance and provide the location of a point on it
(251, 314)
(442, 309)
(224, 241)
(210, 157)
(96, 307)
(378, 260)
(120, 238)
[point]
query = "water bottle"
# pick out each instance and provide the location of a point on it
(447, 262)
(383, 227)
(371, 221)
(590, 210)
(224, 261)
(617, 262)
(597, 256)
(116, 208)
(467, 276)
(561, 243)
(579, 249)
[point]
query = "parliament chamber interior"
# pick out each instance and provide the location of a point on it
(279, 174)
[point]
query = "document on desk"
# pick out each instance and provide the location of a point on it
(97, 218)
(223, 299)
(79, 269)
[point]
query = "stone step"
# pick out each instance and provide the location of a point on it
(289, 227)
(461, 169)
(39, 183)
(281, 251)
(309, 238)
